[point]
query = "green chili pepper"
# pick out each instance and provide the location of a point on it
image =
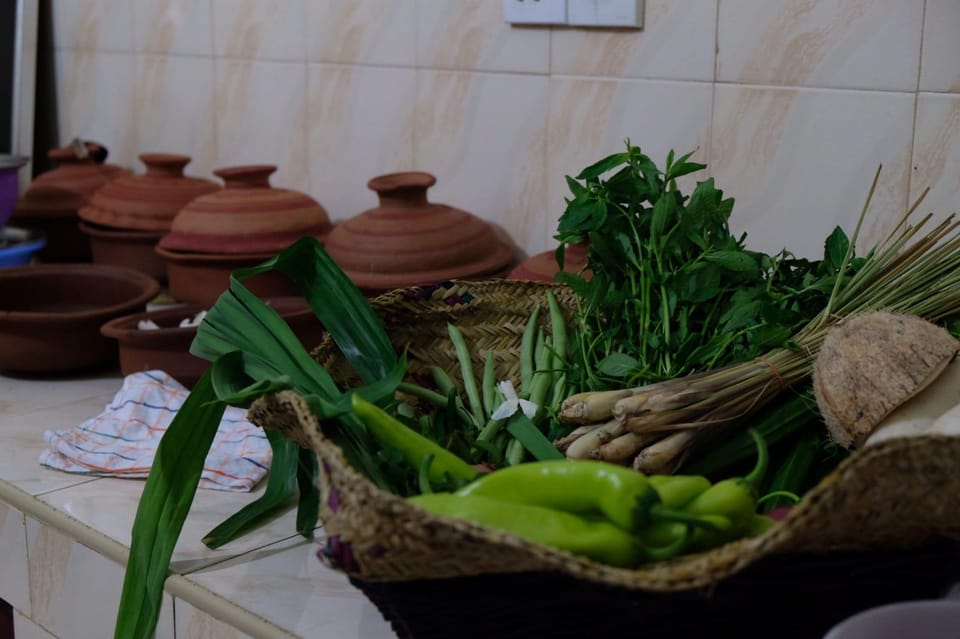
(676, 491)
(734, 498)
(622, 495)
(759, 525)
(599, 540)
(710, 532)
(414, 447)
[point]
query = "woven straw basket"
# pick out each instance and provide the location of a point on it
(895, 495)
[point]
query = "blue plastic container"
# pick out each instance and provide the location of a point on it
(17, 246)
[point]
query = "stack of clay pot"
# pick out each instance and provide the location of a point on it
(53, 199)
(241, 225)
(126, 217)
(409, 241)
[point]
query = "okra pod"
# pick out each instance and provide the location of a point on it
(466, 371)
(527, 351)
(489, 385)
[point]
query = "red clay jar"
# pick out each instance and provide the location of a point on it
(246, 216)
(168, 347)
(408, 241)
(126, 217)
(243, 224)
(543, 266)
(52, 200)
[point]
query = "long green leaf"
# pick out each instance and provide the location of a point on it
(337, 302)
(308, 509)
(280, 491)
(164, 504)
(532, 439)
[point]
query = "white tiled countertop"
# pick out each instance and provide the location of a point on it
(64, 540)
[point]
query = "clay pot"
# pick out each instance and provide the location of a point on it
(51, 314)
(408, 241)
(130, 249)
(52, 200)
(200, 278)
(168, 347)
(147, 202)
(246, 216)
(543, 266)
(126, 217)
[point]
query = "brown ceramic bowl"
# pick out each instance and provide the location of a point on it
(126, 247)
(168, 348)
(200, 278)
(50, 314)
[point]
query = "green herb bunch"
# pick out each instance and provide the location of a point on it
(672, 291)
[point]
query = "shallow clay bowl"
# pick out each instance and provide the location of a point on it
(168, 348)
(50, 314)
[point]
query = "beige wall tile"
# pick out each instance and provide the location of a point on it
(106, 25)
(260, 29)
(936, 154)
(362, 31)
(182, 27)
(24, 628)
(800, 161)
(14, 580)
(677, 42)
(261, 118)
(75, 592)
(95, 100)
(352, 137)
(192, 623)
(471, 35)
(866, 44)
(483, 136)
(940, 65)
(173, 97)
(590, 119)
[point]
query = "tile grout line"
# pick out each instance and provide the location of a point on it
(417, 80)
(713, 88)
(916, 111)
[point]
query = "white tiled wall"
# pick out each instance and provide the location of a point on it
(792, 103)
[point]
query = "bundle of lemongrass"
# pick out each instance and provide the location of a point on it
(658, 425)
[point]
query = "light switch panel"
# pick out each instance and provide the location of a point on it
(535, 11)
(605, 13)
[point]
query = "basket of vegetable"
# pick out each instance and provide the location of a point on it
(477, 443)
(848, 532)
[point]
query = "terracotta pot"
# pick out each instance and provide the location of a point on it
(201, 277)
(51, 314)
(543, 266)
(130, 249)
(168, 348)
(246, 216)
(52, 200)
(408, 241)
(147, 202)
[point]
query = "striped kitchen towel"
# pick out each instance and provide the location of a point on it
(122, 440)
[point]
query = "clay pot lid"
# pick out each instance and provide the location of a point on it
(408, 240)
(61, 191)
(542, 267)
(246, 216)
(147, 202)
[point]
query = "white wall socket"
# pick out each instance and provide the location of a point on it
(605, 13)
(535, 11)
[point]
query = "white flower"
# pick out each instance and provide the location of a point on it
(512, 403)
